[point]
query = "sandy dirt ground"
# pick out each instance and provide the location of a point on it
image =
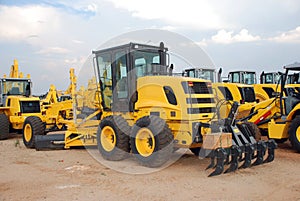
(27, 174)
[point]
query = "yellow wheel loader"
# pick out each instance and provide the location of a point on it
(16, 102)
(264, 90)
(149, 113)
(279, 117)
(226, 92)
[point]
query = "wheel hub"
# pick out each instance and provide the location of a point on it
(108, 138)
(298, 134)
(145, 142)
(27, 132)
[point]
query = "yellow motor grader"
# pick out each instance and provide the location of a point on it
(148, 113)
(54, 114)
(279, 117)
(21, 112)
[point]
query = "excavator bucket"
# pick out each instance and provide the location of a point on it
(244, 151)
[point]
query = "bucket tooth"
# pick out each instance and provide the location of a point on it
(221, 156)
(227, 160)
(272, 145)
(235, 152)
(249, 149)
(261, 151)
(212, 163)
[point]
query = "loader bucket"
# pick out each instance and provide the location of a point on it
(49, 142)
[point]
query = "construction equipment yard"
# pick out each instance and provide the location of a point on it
(27, 174)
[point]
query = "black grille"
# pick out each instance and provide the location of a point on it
(269, 91)
(201, 110)
(247, 94)
(199, 100)
(196, 88)
(226, 93)
(30, 106)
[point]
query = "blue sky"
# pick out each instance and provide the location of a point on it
(49, 37)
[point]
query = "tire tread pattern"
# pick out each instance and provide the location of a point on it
(4, 127)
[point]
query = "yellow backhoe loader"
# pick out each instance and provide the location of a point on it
(144, 111)
(279, 117)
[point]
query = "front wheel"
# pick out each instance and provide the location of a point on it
(32, 126)
(294, 133)
(152, 141)
(113, 138)
(4, 127)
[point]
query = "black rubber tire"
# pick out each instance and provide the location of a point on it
(122, 132)
(37, 128)
(163, 141)
(292, 133)
(4, 127)
(254, 130)
(196, 150)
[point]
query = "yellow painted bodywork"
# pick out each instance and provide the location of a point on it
(278, 130)
(277, 127)
(260, 92)
(225, 106)
(152, 100)
(13, 112)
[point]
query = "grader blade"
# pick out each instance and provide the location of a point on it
(49, 142)
(220, 155)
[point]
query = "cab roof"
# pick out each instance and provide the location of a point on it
(295, 66)
(132, 45)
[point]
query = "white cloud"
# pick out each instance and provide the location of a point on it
(53, 50)
(91, 7)
(226, 37)
(21, 23)
(202, 43)
(77, 41)
(192, 13)
(292, 36)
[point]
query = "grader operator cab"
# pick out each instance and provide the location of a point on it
(279, 117)
(144, 111)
